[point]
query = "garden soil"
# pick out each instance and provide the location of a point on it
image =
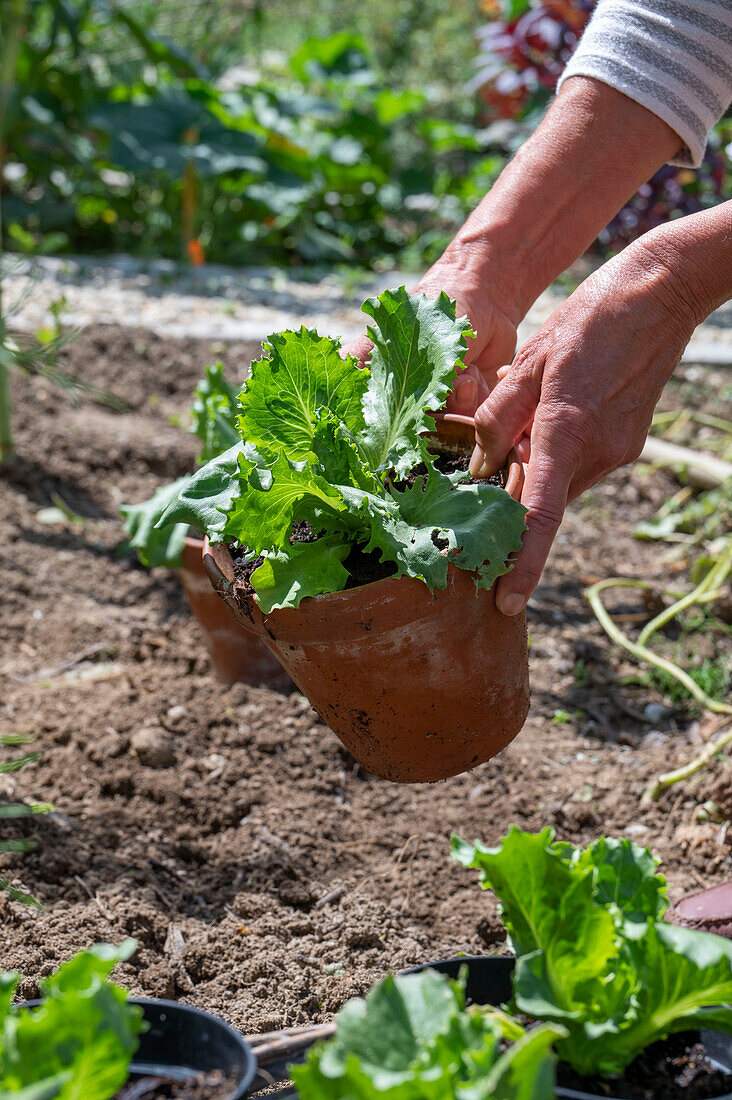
(265, 875)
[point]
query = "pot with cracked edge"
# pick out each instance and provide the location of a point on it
(418, 685)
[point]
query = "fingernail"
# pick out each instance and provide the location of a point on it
(511, 603)
(477, 461)
(466, 391)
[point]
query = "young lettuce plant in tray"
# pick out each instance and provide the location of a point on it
(412, 1038)
(85, 1039)
(594, 955)
(334, 485)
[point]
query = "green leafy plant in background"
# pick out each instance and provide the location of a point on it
(325, 442)
(412, 1038)
(78, 1043)
(15, 810)
(151, 155)
(213, 415)
(37, 354)
(593, 953)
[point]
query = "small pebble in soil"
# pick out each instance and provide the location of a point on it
(153, 747)
(655, 712)
(176, 718)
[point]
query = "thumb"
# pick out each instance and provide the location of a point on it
(469, 390)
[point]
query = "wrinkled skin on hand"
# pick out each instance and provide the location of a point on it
(579, 398)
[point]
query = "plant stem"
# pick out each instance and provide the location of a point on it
(13, 17)
(713, 580)
(654, 792)
(642, 652)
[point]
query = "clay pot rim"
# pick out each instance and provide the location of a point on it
(406, 597)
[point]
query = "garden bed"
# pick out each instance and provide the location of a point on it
(267, 877)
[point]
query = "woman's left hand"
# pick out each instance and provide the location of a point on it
(579, 397)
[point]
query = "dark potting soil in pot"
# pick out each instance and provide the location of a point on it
(676, 1069)
(204, 1086)
(363, 568)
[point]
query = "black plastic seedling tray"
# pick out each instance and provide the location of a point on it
(182, 1041)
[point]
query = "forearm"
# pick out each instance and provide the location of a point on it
(690, 260)
(592, 151)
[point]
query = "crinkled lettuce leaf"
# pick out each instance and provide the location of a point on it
(307, 569)
(418, 345)
(480, 523)
(301, 374)
(329, 444)
(79, 1042)
(206, 496)
(413, 1039)
(593, 951)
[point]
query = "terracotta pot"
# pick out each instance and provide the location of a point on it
(418, 685)
(236, 654)
(707, 910)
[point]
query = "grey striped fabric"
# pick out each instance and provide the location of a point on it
(672, 56)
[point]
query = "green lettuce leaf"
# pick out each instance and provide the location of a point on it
(155, 546)
(78, 1043)
(262, 519)
(480, 523)
(525, 1072)
(214, 411)
(301, 374)
(547, 905)
(413, 1039)
(286, 577)
(418, 344)
(625, 876)
(208, 494)
(593, 953)
(684, 977)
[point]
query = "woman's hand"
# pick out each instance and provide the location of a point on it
(579, 397)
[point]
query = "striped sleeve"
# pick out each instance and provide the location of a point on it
(672, 56)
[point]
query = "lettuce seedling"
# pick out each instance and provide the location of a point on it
(79, 1041)
(593, 953)
(213, 414)
(325, 442)
(413, 1038)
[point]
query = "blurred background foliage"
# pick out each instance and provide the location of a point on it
(253, 131)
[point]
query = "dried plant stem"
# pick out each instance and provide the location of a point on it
(710, 750)
(642, 652)
(707, 587)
